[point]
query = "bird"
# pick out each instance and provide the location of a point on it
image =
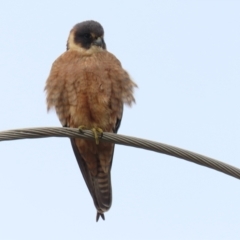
(87, 86)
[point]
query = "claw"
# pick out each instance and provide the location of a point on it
(82, 127)
(97, 132)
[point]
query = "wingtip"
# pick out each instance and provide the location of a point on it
(98, 215)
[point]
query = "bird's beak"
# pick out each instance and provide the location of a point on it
(98, 42)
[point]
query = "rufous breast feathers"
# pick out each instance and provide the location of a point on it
(89, 89)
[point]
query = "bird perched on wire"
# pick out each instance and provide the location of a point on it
(87, 86)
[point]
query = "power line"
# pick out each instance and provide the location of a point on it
(44, 132)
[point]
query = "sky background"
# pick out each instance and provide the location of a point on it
(185, 58)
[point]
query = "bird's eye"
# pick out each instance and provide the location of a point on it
(87, 35)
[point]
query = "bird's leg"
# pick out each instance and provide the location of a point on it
(82, 127)
(97, 132)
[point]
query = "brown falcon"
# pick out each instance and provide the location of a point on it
(87, 86)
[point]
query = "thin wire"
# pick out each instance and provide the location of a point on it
(28, 133)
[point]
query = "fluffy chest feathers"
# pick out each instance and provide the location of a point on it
(87, 89)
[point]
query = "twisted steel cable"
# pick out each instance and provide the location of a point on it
(122, 140)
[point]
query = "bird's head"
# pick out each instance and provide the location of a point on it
(86, 37)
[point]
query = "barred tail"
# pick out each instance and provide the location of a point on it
(102, 192)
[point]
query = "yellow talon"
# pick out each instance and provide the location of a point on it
(97, 132)
(82, 127)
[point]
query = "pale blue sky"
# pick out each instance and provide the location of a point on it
(185, 57)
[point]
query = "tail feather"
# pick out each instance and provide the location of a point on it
(103, 190)
(98, 215)
(99, 186)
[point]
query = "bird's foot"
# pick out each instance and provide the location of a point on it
(97, 132)
(98, 215)
(82, 127)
